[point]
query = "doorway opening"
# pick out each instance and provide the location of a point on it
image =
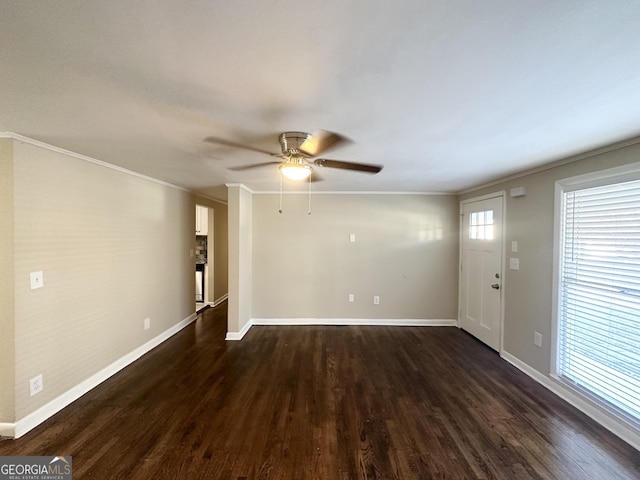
(204, 257)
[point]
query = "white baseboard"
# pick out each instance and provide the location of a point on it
(586, 406)
(393, 322)
(214, 303)
(390, 322)
(240, 334)
(35, 418)
(219, 300)
(7, 429)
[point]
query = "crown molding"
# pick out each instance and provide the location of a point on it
(241, 186)
(208, 197)
(271, 192)
(557, 163)
(85, 158)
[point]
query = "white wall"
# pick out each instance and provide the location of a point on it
(114, 249)
(406, 252)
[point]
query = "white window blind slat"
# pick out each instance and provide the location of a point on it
(599, 298)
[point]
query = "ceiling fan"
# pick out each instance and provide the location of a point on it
(299, 152)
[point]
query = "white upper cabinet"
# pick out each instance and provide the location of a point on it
(202, 220)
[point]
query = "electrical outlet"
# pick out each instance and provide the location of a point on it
(514, 263)
(376, 300)
(36, 385)
(537, 339)
(147, 323)
(352, 298)
(36, 280)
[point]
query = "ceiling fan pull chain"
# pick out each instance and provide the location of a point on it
(309, 211)
(280, 209)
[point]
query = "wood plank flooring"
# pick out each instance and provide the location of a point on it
(326, 403)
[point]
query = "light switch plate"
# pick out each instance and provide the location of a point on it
(352, 237)
(514, 263)
(36, 279)
(514, 246)
(537, 339)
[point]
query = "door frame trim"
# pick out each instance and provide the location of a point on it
(503, 195)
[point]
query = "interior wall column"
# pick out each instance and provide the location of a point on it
(240, 260)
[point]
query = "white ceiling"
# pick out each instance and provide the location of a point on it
(445, 94)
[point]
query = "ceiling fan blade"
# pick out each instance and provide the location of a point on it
(229, 143)
(321, 141)
(242, 168)
(359, 167)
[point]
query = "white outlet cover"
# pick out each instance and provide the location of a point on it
(36, 279)
(514, 246)
(514, 263)
(147, 323)
(376, 300)
(36, 385)
(352, 298)
(352, 237)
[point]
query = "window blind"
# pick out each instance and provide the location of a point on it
(599, 297)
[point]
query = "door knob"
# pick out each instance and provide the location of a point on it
(496, 286)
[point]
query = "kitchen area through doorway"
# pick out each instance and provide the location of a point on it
(203, 256)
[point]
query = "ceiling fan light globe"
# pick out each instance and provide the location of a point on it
(295, 172)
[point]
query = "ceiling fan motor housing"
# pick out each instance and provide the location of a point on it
(290, 142)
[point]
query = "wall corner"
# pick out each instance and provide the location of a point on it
(7, 284)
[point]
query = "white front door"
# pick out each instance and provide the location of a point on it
(481, 269)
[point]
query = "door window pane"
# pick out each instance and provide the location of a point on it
(481, 225)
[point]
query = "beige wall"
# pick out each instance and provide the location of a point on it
(529, 221)
(406, 252)
(114, 249)
(7, 365)
(240, 259)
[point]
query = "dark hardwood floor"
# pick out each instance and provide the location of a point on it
(326, 403)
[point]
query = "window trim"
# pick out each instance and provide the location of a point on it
(589, 180)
